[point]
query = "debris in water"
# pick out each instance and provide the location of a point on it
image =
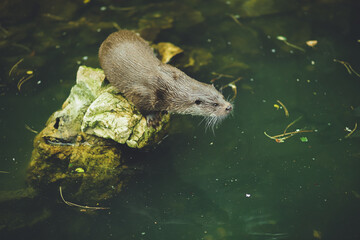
(317, 234)
(236, 20)
(79, 170)
(292, 123)
(219, 75)
(283, 39)
(233, 87)
(312, 43)
(282, 137)
(15, 66)
(347, 66)
(23, 80)
(285, 109)
(77, 205)
(167, 51)
(350, 131)
(30, 129)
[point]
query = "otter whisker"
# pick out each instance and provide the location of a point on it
(202, 120)
(211, 122)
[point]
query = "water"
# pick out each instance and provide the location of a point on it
(234, 183)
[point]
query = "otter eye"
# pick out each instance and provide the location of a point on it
(215, 104)
(198, 102)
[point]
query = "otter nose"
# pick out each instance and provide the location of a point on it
(228, 108)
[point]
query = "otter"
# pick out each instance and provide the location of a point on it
(153, 87)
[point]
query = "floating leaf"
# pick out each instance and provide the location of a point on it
(311, 43)
(167, 51)
(304, 139)
(79, 170)
(281, 38)
(317, 234)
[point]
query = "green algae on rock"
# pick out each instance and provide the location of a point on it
(90, 132)
(54, 164)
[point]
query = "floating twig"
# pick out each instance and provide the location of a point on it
(351, 131)
(236, 20)
(285, 109)
(233, 87)
(219, 75)
(277, 139)
(21, 46)
(77, 205)
(23, 80)
(294, 46)
(291, 133)
(53, 17)
(115, 25)
(30, 129)
(282, 137)
(292, 123)
(4, 172)
(4, 31)
(111, 7)
(15, 66)
(283, 39)
(285, 135)
(347, 66)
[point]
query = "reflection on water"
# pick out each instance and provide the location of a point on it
(232, 184)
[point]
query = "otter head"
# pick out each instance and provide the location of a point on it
(201, 99)
(185, 95)
(208, 102)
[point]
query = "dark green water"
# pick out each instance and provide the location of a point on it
(234, 183)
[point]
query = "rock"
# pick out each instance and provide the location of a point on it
(89, 133)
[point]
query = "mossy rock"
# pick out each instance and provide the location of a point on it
(80, 149)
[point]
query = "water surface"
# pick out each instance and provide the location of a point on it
(233, 183)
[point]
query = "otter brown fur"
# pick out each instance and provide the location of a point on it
(131, 66)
